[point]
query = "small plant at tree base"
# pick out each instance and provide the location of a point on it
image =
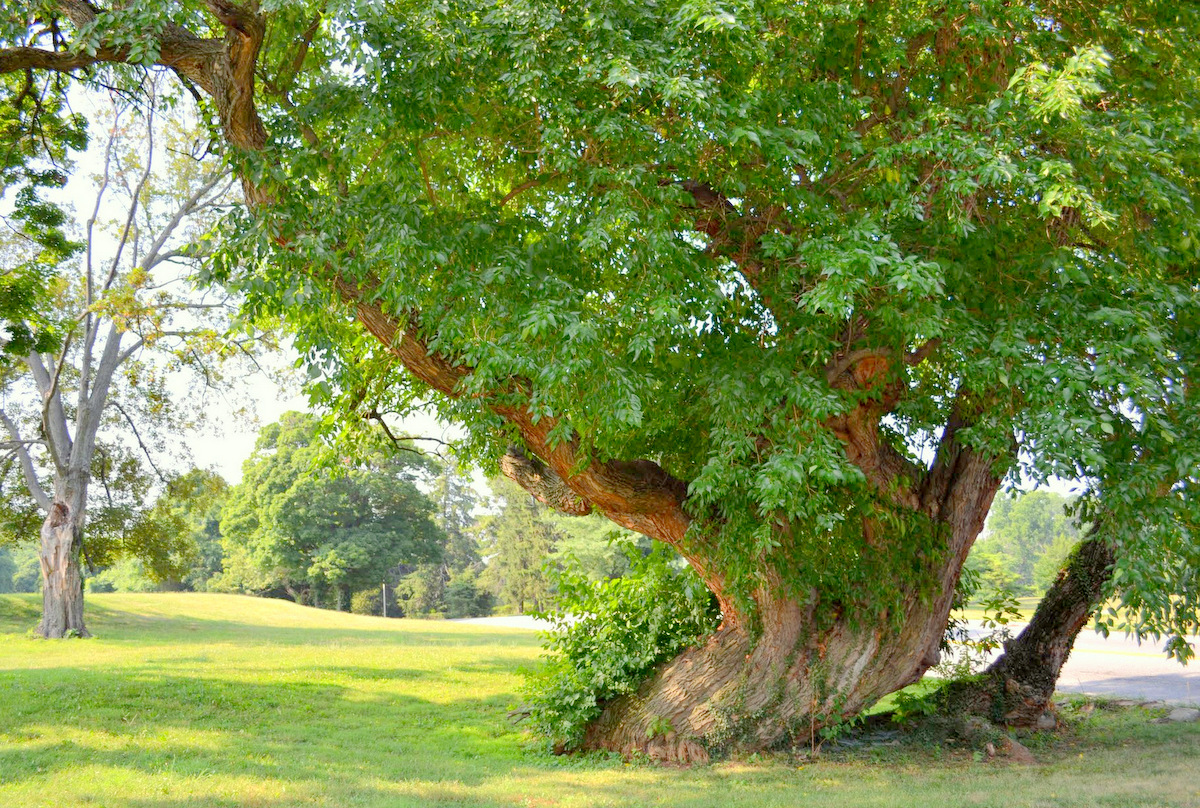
(660, 727)
(829, 725)
(911, 707)
(607, 637)
(965, 654)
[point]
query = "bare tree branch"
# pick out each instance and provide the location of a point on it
(20, 447)
(54, 419)
(135, 196)
(375, 415)
(91, 325)
(189, 206)
(141, 444)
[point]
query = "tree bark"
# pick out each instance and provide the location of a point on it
(62, 584)
(777, 676)
(1018, 687)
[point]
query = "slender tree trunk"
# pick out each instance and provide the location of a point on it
(1018, 687)
(62, 584)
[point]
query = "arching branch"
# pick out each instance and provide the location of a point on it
(638, 494)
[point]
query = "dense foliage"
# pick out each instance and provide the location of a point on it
(318, 526)
(41, 133)
(676, 221)
(1028, 537)
(608, 635)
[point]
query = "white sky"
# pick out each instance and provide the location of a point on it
(229, 438)
(233, 417)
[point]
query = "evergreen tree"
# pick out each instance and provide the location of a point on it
(520, 540)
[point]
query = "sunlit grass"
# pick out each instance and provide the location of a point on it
(213, 700)
(1025, 609)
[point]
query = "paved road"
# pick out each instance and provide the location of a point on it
(1104, 667)
(1120, 667)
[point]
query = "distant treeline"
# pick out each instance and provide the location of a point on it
(1026, 540)
(342, 531)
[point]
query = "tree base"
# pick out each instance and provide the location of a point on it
(778, 689)
(1018, 688)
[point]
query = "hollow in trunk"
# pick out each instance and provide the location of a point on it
(62, 583)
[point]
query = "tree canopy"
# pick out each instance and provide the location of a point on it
(303, 522)
(789, 286)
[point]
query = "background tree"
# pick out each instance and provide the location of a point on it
(195, 500)
(1027, 538)
(8, 568)
(427, 588)
(519, 541)
(25, 570)
(596, 547)
(320, 526)
(789, 287)
(93, 411)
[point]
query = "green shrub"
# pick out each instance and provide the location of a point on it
(126, 575)
(609, 635)
(367, 602)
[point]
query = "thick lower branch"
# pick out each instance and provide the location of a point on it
(540, 480)
(1018, 687)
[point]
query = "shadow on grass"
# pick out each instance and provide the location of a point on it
(19, 613)
(328, 737)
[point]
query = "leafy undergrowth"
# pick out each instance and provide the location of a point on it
(211, 700)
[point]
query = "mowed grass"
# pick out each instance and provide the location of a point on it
(1025, 609)
(219, 700)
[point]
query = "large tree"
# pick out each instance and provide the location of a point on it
(791, 287)
(319, 526)
(84, 410)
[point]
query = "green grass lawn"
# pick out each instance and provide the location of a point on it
(218, 700)
(1026, 607)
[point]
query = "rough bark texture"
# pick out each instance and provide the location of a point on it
(547, 487)
(1018, 687)
(62, 585)
(800, 671)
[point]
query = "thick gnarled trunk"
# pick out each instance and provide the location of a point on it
(797, 664)
(739, 692)
(62, 583)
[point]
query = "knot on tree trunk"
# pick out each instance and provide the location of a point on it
(542, 482)
(59, 515)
